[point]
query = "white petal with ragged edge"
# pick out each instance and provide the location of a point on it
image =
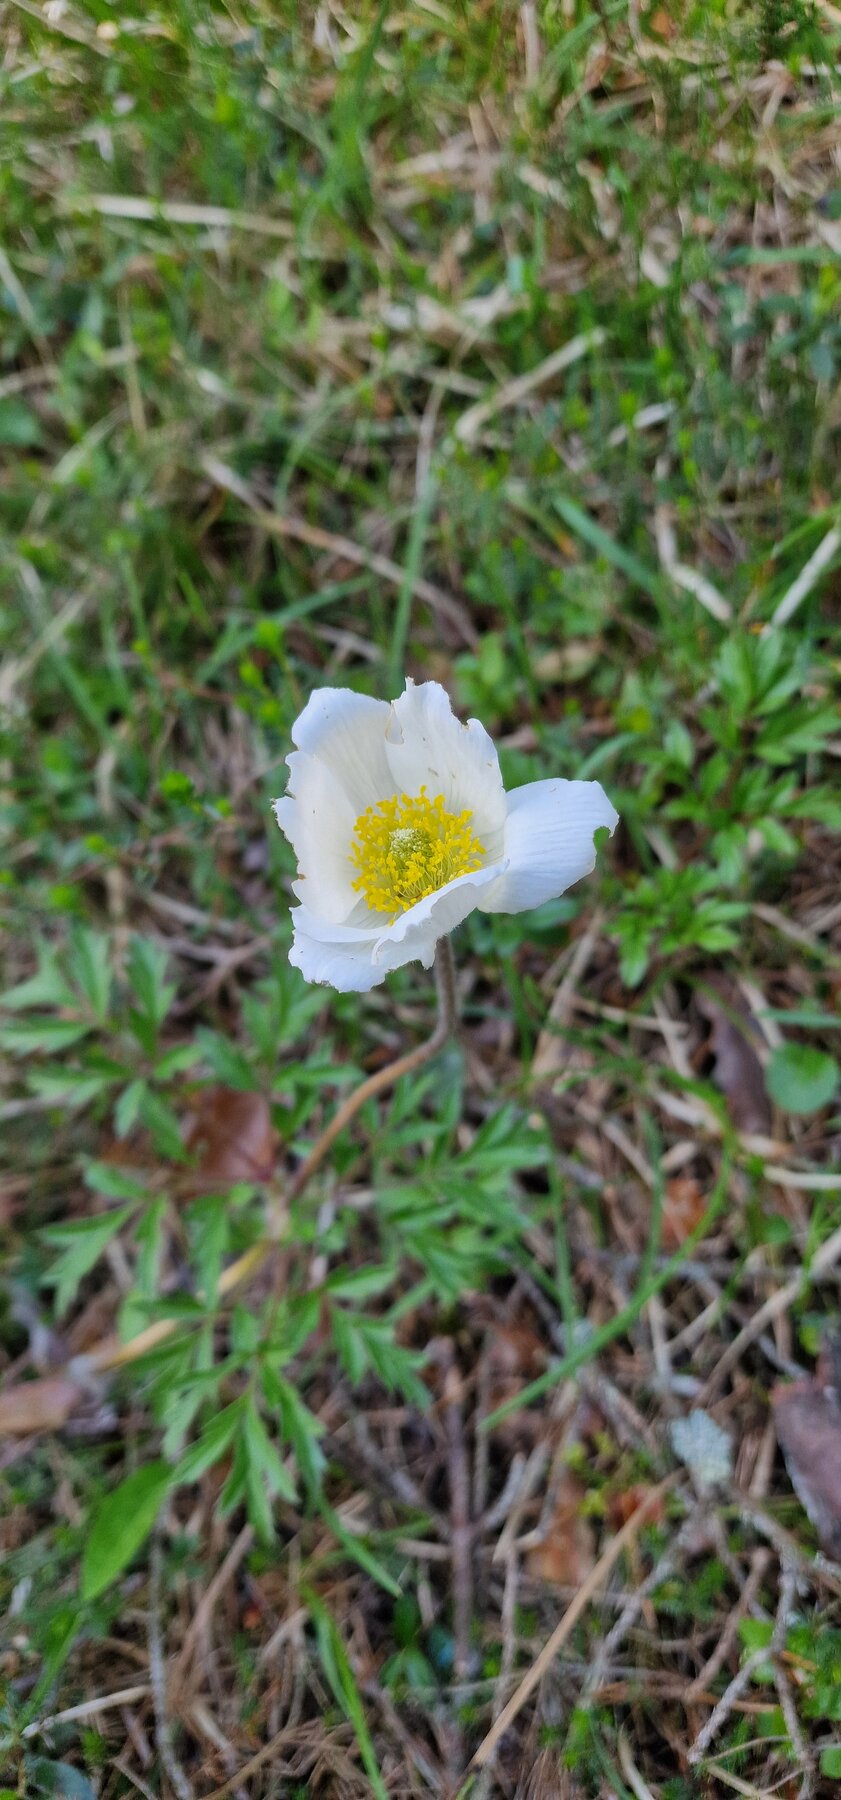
(548, 842)
(317, 817)
(349, 967)
(433, 918)
(427, 746)
(346, 731)
(358, 957)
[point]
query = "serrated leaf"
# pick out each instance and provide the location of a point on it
(46, 988)
(82, 1241)
(89, 965)
(299, 1426)
(263, 1455)
(121, 1524)
(226, 1062)
(146, 967)
(72, 1087)
(30, 1035)
(116, 1184)
(162, 1122)
(128, 1107)
(212, 1443)
(802, 1079)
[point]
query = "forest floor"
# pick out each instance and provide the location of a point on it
(501, 345)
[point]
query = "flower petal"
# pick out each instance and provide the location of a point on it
(317, 817)
(427, 746)
(355, 958)
(416, 932)
(340, 962)
(346, 731)
(548, 841)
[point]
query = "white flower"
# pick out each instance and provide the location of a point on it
(401, 826)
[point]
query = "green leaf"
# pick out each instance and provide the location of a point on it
(159, 1118)
(128, 1106)
(299, 1426)
(47, 988)
(30, 1035)
(212, 1444)
(89, 966)
(264, 1458)
(121, 1523)
(83, 1241)
(73, 1087)
(601, 541)
(831, 1760)
(18, 424)
(227, 1062)
(802, 1079)
(336, 1666)
(116, 1184)
(146, 968)
(358, 1551)
(43, 1776)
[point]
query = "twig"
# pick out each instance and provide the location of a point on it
(721, 1712)
(86, 1709)
(565, 1625)
(460, 1532)
(157, 1674)
(204, 1611)
(634, 1605)
(511, 391)
(809, 575)
(691, 580)
(289, 525)
(777, 1303)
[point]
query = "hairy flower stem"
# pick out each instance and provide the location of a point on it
(110, 1354)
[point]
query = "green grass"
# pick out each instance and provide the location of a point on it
(259, 267)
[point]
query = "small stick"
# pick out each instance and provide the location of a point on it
(157, 1673)
(570, 1618)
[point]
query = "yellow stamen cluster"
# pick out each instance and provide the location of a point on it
(408, 847)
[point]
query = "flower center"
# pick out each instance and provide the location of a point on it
(410, 846)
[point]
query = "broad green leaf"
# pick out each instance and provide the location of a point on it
(802, 1079)
(43, 1776)
(121, 1523)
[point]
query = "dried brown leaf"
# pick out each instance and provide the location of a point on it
(683, 1208)
(42, 1405)
(808, 1420)
(232, 1135)
(566, 1554)
(737, 1070)
(626, 1501)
